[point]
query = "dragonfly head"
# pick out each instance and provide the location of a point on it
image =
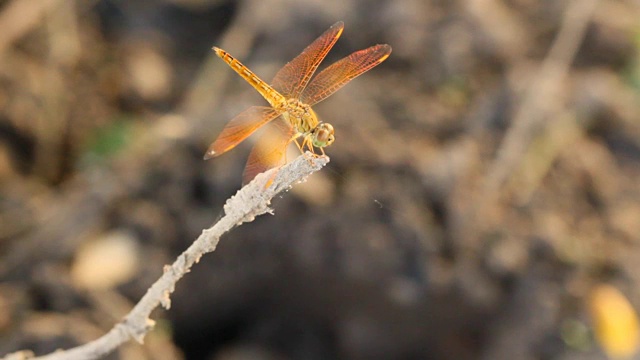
(322, 135)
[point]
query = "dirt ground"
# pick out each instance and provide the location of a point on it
(483, 184)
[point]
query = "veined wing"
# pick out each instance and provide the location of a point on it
(239, 128)
(341, 72)
(269, 150)
(291, 80)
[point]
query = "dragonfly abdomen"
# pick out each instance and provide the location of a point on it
(270, 94)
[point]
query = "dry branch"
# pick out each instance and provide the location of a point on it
(248, 203)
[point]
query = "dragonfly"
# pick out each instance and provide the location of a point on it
(291, 94)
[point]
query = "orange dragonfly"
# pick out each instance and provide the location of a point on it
(291, 95)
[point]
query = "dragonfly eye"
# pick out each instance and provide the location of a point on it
(323, 135)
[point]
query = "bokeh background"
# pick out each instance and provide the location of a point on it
(482, 199)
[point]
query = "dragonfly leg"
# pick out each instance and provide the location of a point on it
(310, 146)
(309, 142)
(294, 139)
(306, 141)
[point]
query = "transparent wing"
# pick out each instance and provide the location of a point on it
(291, 80)
(269, 150)
(341, 72)
(239, 128)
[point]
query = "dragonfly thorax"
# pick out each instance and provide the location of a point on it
(300, 116)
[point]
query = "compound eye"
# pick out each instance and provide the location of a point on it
(327, 127)
(323, 135)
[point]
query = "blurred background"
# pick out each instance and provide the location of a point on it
(482, 199)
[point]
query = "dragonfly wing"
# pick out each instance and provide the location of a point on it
(341, 72)
(239, 128)
(291, 80)
(269, 150)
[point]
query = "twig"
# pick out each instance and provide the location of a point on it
(248, 203)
